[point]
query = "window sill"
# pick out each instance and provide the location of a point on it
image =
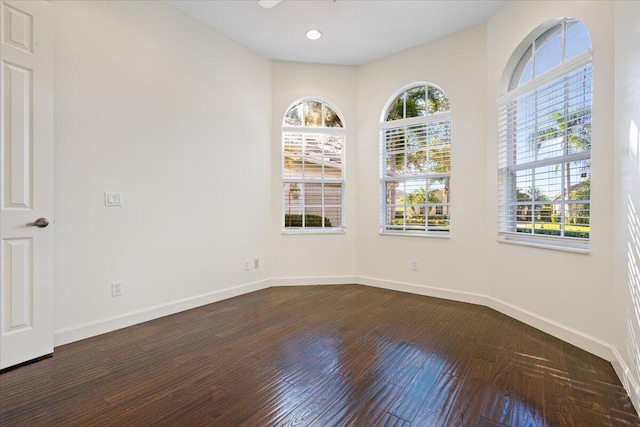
(410, 234)
(297, 231)
(557, 246)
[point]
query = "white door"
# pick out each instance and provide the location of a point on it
(26, 180)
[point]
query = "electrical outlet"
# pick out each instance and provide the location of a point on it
(247, 265)
(256, 263)
(414, 265)
(113, 199)
(116, 289)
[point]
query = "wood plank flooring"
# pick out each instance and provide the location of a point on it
(319, 356)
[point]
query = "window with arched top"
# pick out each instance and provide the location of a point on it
(415, 147)
(544, 139)
(313, 138)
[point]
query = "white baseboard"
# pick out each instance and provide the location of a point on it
(565, 333)
(312, 280)
(90, 329)
(572, 336)
(428, 291)
(579, 339)
(626, 378)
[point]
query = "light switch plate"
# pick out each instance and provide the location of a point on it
(113, 199)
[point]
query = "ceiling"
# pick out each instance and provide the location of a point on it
(354, 31)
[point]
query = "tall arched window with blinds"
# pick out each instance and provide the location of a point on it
(313, 138)
(544, 140)
(415, 148)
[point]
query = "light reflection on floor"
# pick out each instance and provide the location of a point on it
(323, 346)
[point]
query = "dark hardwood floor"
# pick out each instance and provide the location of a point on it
(321, 356)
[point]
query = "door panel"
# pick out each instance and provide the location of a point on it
(17, 147)
(19, 264)
(26, 175)
(18, 28)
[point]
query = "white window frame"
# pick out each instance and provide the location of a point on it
(508, 167)
(426, 120)
(313, 131)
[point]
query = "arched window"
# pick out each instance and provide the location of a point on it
(313, 138)
(544, 139)
(416, 162)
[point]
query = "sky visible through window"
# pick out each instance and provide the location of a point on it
(545, 135)
(313, 173)
(549, 51)
(544, 121)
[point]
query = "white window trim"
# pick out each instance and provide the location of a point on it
(384, 229)
(319, 130)
(567, 244)
(435, 117)
(303, 231)
(315, 130)
(314, 230)
(432, 235)
(558, 71)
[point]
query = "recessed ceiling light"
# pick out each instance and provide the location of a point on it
(268, 4)
(314, 34)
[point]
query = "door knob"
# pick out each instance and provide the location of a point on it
(40, 223)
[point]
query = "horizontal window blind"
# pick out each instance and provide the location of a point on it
(416, 159)
(313, 180)
(544, 158)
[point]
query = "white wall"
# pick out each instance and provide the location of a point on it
(187, 123)
(457, 64)
(571, 290)
(626, 284)
(177, 117)
(566, 294)
(313, 259)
